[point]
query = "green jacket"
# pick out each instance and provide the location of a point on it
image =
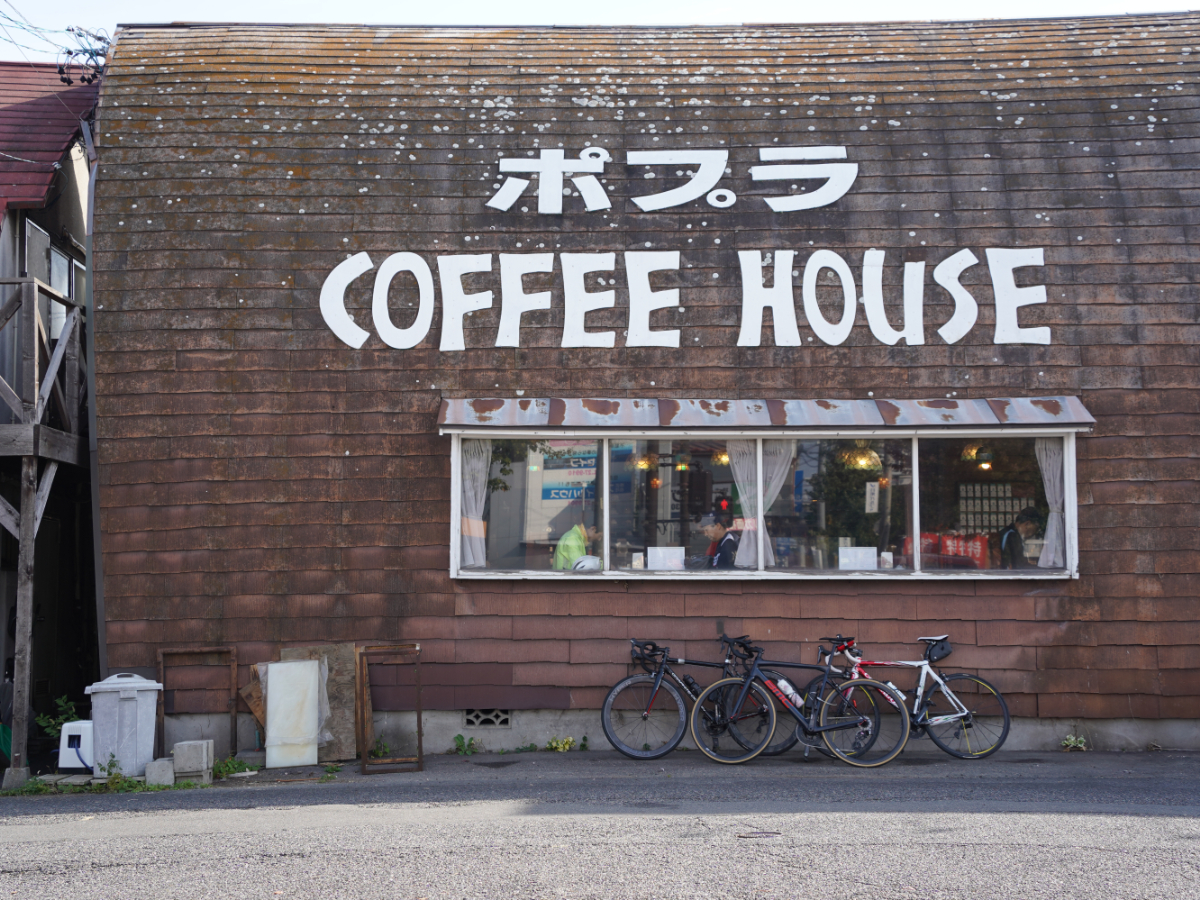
(571, 546)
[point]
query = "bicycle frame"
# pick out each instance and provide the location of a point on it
(858, 669)
(754, 672)
(664, 669)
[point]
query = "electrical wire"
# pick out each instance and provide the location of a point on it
(97, 68)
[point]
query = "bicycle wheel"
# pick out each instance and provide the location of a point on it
(784, 739)
(730, 732)
(978, 734)
(872, 723)
(636, 727)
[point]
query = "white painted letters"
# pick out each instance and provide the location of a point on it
(513, 300)
(1010, 298)
(913, 329)
(966, 310)
(643, 301)
(579, 302)
(456, 303)
(827, 332)
(710, 167)
(402, 338)
(756, 298)
(333, 300)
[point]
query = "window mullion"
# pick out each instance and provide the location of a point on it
(607, 509)
(916, 508)
(455, 503)
(1070, 506)
(761, 523)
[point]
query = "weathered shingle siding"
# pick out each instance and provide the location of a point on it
(264, 484)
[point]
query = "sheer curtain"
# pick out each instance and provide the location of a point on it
(1050, 460)
(777, 462)
(778, 457)
(476, 465)
(743, 460)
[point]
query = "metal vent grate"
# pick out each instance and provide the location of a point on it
(485, 718)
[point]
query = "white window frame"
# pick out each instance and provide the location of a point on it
(1070, 495)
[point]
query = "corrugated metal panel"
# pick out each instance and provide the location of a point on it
(824, 413)
(501, 413)
(650, 413)
(592, 413)
(713, 413)
(1041, 411)
(913, 413)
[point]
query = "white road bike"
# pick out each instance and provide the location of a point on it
(968, 721)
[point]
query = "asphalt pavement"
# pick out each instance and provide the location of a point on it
(596, 825)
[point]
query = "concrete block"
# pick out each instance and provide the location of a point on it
(79, 780)
(193, 756)
(15, 778)
(253, 757)
(205, 777)
(160, 772)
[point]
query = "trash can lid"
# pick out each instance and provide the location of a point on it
(123, 681)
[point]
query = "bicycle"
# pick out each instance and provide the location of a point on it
(967, 730)
(644, 716)
(862, 722)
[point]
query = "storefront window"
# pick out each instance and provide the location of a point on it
(992, 504)
(840, 505)
(639, 506)
(684, 504)
(531, 505)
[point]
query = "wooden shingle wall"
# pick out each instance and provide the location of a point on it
(264, 485)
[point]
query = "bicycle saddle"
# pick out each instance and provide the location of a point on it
(934, 640)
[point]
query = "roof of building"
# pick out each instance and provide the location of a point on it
(39, 118)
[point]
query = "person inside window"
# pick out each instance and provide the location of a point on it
(724, 547)
(576, 541)
(1013, 538)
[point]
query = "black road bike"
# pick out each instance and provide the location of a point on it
(645, 715)
(861, 722)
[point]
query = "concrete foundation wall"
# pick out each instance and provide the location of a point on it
(537, 726)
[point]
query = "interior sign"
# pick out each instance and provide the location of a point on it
(705, 169)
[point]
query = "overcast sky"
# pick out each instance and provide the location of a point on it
(107, 14)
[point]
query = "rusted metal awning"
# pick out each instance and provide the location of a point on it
(1067, 412)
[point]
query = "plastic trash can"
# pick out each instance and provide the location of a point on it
(123, 708)
(75, 748)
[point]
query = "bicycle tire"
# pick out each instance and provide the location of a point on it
(882, 728)
(780, 744)
(630, 730)
(732, 736)
(989, 720)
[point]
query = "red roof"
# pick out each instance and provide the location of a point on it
(39, 117)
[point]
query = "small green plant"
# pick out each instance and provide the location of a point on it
(226, 767)
(332, 769)
(1074, 742)
(381, 750)
(560, 745)
(32, 788)
(583, 744)
(52, 725)
(466, 746)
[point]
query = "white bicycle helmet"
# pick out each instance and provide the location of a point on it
(588, 564)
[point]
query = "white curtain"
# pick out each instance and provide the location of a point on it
(1050, 460)
(476, 466)
(743, 459)
(778, 457)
